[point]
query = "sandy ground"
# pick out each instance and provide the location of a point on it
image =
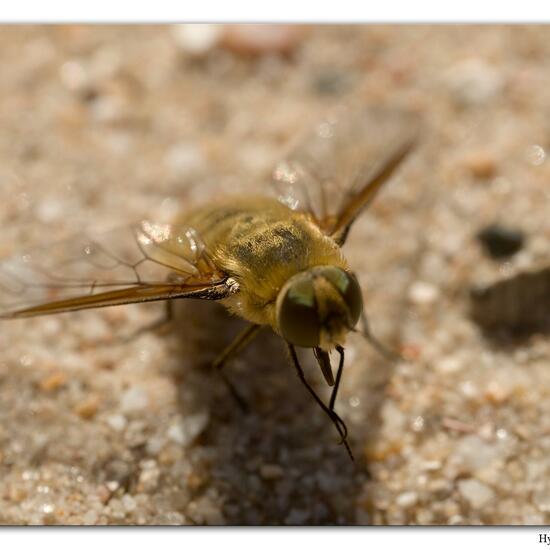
(102, 126)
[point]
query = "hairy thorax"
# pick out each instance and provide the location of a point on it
(261, 244)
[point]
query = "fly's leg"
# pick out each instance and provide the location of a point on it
(336, 420)
(375, 343)
(335, 383)
(242, 340)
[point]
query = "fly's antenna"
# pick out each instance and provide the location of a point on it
(339, 424)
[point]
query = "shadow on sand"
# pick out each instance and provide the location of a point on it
(280, 463)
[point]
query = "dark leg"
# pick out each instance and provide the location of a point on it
(337, 421)
(378, 346)
(242, 340)
(334, 393)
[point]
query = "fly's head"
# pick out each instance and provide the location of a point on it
(318, 307)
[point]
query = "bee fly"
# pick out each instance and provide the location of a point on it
(275, 262)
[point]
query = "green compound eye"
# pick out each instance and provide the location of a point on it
(298, 315)
(348, 287)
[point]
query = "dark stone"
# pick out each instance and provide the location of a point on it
(500, 242)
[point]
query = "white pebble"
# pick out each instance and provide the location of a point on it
(407, 499)
(196, 39)
(134, 399)
(418, 423)
(476, 493)
(448, 365)
(48, 509)
(423, 293)
(469, 389)
(474, 454)
(117, 422)
(112, 485)
(473, 82)
(148, 479)
(186, 430)
(431, 465)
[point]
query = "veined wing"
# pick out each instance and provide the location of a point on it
(335, 172)
(140, 263)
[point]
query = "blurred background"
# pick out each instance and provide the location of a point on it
(105, 125)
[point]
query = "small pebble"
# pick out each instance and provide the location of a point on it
(197, 39)
(117, 422)
(134, 399)
(195, 481)
(476, 493)
(88, 408)
(103, 493)
(154, 445)
(271, 471)
(498, 391)
(253, 40)
(75, 76)
(148, 480)
(186, 430)
(423, 293)
(431, 465)
(53, 381)
(473, 82)
(48, 509)
(129, 503)
(406, 500)
(90, 517)
(481, 164)
(448, 365)
(112, 485)
(418, 423)
(474, 453)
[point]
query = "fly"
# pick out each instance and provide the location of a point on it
(274, 261)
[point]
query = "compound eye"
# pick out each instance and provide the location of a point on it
(297, 314)
(354, 299)
(349, 288)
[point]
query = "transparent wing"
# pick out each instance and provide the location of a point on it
(139, 263)
(335, 172)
